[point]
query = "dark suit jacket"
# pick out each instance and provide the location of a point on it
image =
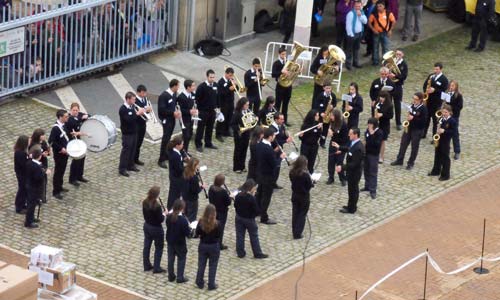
(34, 181)
(186, 104)
(440, 85)
(354, 161)
(251, 85)
(266, 163)
(57, 139)
(403, 68)
(377, 86)
(175, 165)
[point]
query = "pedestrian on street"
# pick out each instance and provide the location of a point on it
(413, 12)
(485, 11)
(381, 23)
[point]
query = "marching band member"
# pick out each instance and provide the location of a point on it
(177, 231)
(191, 188)
(339, 134)
(447, 125)
(456, 103)
(141, 100)
(38, 138)
(73, 127)
(257, 136)
(58, 139)
(399, 81)
(220, 198)
(175, 170)
(355, 107)
(247, 209)
(301, 186)
(354, 165)
(321, 59)
(128, 125)
(384, 113)
(417, 117)
(309, 146)
(377, 86)
(241, 138)
(268, 108)
(226, 101)
(153, 230)
(253, 84)
(373, 142)
(434, 85)
(322, 103)
(20, 160)
(168, 115)
(186, 101)
(35, 180)
(281, 137)
(207, 100)
(283, 94)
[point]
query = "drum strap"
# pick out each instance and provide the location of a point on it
(62, 131)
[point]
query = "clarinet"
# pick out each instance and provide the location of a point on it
(201, 180)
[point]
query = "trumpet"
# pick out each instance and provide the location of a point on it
(195, 118)
(406, 125)
(178, 108)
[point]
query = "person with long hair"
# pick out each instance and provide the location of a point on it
(257, 135)
(38, 138)
(309, 146)
(153, 230)
(301, 186)
(220, 198)
(177, 231)
(241, 138)
(268, 108)
(339, 134)
(355, 107)
(247, 210)
(447, 125)
(384, 113)
(456, 103)
(191, 188)
(20, 160)
(175, 170)
(373, 142)
(210, 234)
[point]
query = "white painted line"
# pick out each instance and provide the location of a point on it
(67, 96)
(171, 76)
(47, 103)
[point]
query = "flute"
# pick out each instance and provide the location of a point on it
(288, 135)
(306, 130)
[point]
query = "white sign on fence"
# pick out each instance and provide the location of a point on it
(11, 41)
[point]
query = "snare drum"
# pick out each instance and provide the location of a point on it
(76, 149)
(99, 133)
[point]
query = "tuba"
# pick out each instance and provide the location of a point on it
(328, 69)
(291, 66)
(249, 120)
(389, 60)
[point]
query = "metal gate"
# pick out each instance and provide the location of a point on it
(44, 43)
(305, 59)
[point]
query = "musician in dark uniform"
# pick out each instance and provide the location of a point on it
(128, 125)
(378, 85)
(321, 59)
(280, 139)
(35, 180)
(339, 134)
(266, 166)
(416, 117)
(176, 170)
(58, 139)
(322, 104)
(226, 102)
(241, 137)
(191, 187)
(354, 166)
(154, 215)
(446, 130)
(439, 84)
(186, 101)
(399, 81)
(267, 109)
(283, 94)
(220, 198)
(301, 187)
(20, 159)
(168, 114)
(255, 138)
(141, 100)
(73, 125)
(373, 142)
(355, 107)
(309, 146)
(39, 139)
(253, 84)
(456, 103)
(207, 99)
(384, 113)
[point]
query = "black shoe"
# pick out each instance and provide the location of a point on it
(423, 137)
(345, 207)
(238, 171)
(346, 211)
(22, 211)
(139, 163)
(269, 222)
(212, 147)
(469, 47)
(241, 255)
(414, 38)
(367, 54)
(211, 288)
(278, 187)
(199, 149)
(64, 190)
(404, 38)
(322, 146)
(343, 182)
(75, 183)
(183, 280)
(159, 271)
(261, 256)
(396, 163)
(432, 174)
(456, 156)
(409, 167)
(364, 190)
(479, 49)
(163, 164)
(398, 127)
(348, 67)
(244, 170)
(358, 66)
(441, 178)
(219, 138)
(171, 278)
(373, 195)
(200, 285)
(374, 63)
(148, 268)
(133, 169)
(58, 196)
(83, 179)
(432, 142)
(36, 220)
(330, 180)
(124, 173)
(298, 237)
(223, 247)
(31, 226)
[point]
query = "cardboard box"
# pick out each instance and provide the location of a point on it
(46, 257)
(17, 283)
(59, 279)
(32, 296)
(76, 293)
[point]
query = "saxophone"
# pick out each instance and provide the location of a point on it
(291, 66)
(426, 95)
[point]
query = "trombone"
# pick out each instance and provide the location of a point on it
(238, 87)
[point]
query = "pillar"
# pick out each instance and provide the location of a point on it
(302, 32)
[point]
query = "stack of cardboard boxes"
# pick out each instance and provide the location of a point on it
(17, 283)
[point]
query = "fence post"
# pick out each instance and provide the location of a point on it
(482, 270)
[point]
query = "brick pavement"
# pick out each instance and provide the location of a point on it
(100, 224)
(450, 226)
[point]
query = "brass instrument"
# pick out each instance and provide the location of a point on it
(262, 77)
(270, 117)
(437, 136)
(291, 66)
(143, 116)
(389, 60)
(329, 70)
(238, 87)
(438, 114)
(406, 125)
(249, 120)
(426, 95)
(178, 108)
(328, 111)
(195, 118)
(346, 114)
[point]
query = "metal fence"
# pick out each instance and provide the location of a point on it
(305, 59)
(44, 43)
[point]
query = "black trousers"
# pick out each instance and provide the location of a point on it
(254, 102)
(432, 115)
(371, 172)
(442, 160)
(341, 34)
(141, 132)
(187, 133)
(240, 151)
(310, 152)
(300, 207)
(335, 160)
(156, 234)
(129, 142)
(353, 121)
(324, 134)
(76, 169)
(242, 225)
(191, 209)
(227, 109)
(60, 162)
(479, 30)
(264, 195)
(21, 195)
(318, 89)
(413, 136)
(397, 95)
(222, 218)
(283, 95)
(210, 253)
(205, 128)
(168, 129)
(179, 251)
(174, 190)
(30, 212)
(252, 169)
(353, 191)
(352, 46)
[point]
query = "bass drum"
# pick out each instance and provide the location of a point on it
(100, 133)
